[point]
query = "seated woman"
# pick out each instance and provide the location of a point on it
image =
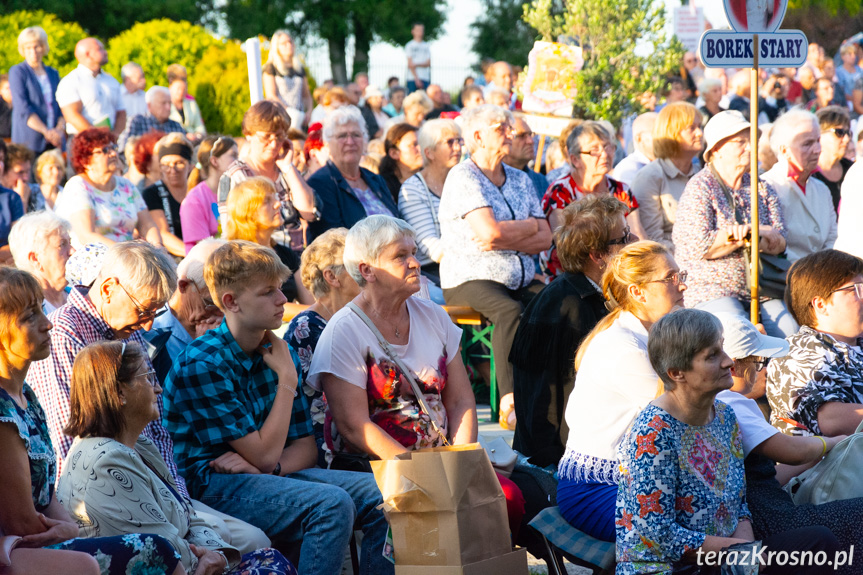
(351, 367)
(614, 381)
(115, 481)
(254, 214)
(403, 158)
(50, 171)
(40, 245)
(323, 273)
(682, 489)
(199, 212)
(28, 506)
(163, 198)
(554, 324)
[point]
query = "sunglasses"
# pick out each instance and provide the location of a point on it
(676, 278)
(627, 236)
(839, 132)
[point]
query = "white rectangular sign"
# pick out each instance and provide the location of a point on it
(724, 49)
(688, 26)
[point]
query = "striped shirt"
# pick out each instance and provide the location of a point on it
(419, 207)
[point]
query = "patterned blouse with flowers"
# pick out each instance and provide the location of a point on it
(679, 483)
(350, 351)
(563, 192)
(115, 212)
(702, 210)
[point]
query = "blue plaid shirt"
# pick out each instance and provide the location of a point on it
(216, 393)
(144, 124)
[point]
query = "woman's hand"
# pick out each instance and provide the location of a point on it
(56, 531)
(54, 137)
(770, 240)
(233, 463)
(728, 240)
(286, 162)
(209, 562)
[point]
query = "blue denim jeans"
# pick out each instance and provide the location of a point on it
(775, 317)
(316, 508)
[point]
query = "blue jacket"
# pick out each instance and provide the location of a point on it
(339, 206)
(27, 99)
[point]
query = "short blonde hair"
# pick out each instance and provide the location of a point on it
(673, 119)
(33, 33)
(325, 253)
(20, 291)
(49, 157)
(418, 98)
(243, 204)
(238, 265)
(266, 116)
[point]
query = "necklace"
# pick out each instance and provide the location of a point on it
(374, 311)
(323, 305)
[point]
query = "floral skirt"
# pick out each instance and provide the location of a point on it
(133, 554)
(264, 562)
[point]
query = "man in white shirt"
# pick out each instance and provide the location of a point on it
(88, 96)
(642, 138)
(419, 60)
(132, 91)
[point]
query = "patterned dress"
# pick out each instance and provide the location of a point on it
(679, 483)
(563, 192)
(134, 554)
(115, 213)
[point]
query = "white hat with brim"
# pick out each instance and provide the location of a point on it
(742, 339)
(723, 125)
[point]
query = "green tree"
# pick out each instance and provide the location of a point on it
(626, 51)
(510, 43)
(335, 21)
(107, 18)
(220, 83)
(156, 44)
(62, 37)
(825, 28)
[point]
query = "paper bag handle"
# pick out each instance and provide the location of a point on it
(404, 369)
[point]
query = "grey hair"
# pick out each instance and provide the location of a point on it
(140, 268)
(708, 84)
(33, 33)
(128, 67)
(154, 90)
(588, 128)
(479, 118)
(418, 98)
(785, 127)
(368, 238)
(341, 117)
(30, 235)
(192, 266)
(677, 338)
(431, 134)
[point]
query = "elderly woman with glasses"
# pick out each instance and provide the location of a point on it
(591, 152)
(491, 225)
(440, 144)
(348, 192)
(269, 154)
(712, 226)
(164, 197)
(41, 245)
(101, 205)
(115, 481)
(614, 381)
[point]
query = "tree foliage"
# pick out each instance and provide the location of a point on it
(822, 27)
(831, 6)
(626, 50)
(107, 18)
(510, 43)
(156, 44)
(62, 37)
(220, 82)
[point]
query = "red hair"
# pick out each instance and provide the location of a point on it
(85, 143)
(144, 151)
(315, 140)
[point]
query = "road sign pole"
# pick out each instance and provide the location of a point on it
(753, 137)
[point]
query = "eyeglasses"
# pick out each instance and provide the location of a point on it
(139, 309)
(508, 130)
(343, 137)
(597, 152)
(269, 138)
(522, 135)
(209, 305)
(760, 363)
(175, 167)
(107, 150)
(453, 141)
(627, 236)
(150, 375)
(839, 132)
(676, 278)
(857, 287)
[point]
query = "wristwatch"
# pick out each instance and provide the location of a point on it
(278, 469)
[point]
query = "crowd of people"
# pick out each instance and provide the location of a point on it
(191, 323)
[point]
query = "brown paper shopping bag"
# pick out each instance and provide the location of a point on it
(445, 506)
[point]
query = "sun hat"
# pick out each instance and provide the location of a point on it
(742, 339)
(372, 91)
(723, 125)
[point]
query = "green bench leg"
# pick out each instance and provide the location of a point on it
(483, 334)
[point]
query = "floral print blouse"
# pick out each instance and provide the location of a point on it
(115, 212)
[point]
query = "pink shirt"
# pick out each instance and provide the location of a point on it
(199, 215)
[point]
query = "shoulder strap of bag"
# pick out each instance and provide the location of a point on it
(429, 202)
(402, 367)
(728, 196)
(166, 205)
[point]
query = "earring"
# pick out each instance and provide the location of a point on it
(123, 401)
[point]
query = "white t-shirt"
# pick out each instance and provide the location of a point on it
(753, 426)
(349, 350)
(99, 96)
(419, 52)
(135, 104)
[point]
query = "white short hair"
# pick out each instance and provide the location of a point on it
(33, 33)
(787, 126)
(368, 238)
(154, 91)
(128, 67)
(192, 266)
(30, 235)
(141, 269)
(341, 117)
(479, 118)
(708, 84)
(431, 134)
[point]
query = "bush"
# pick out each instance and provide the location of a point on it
(156, 44)
(220, 83)
(62, 37)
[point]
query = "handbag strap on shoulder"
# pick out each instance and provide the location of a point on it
(387, 347)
